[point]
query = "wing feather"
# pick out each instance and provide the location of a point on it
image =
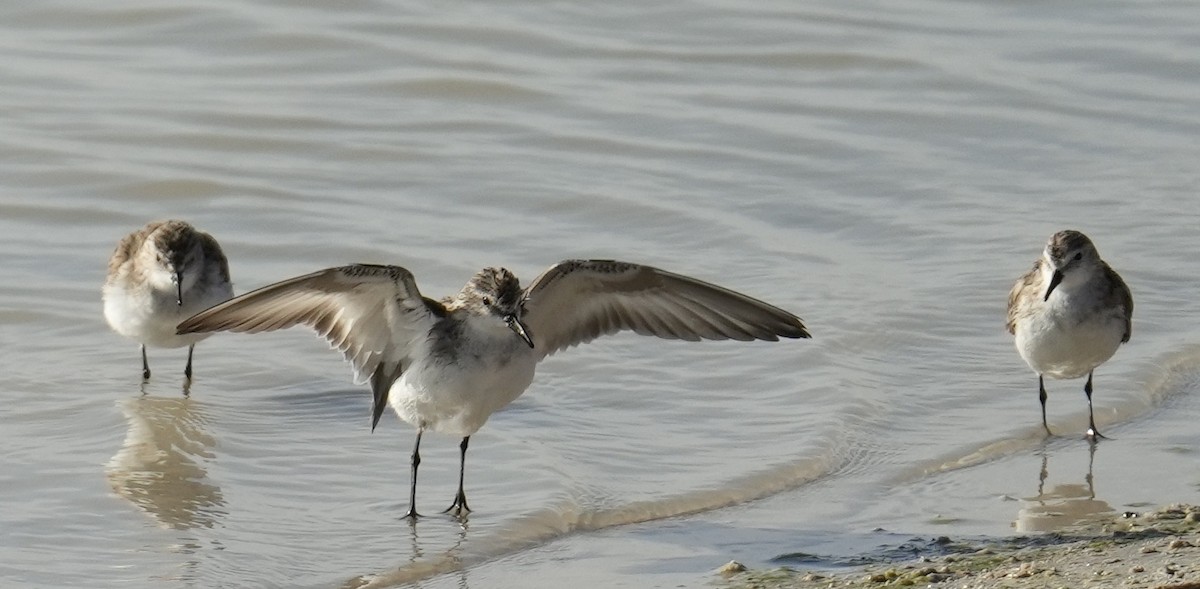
(1125, 296)
(369, 313)
(672, 318)
(576, 301)
(1019, 305)
(717, 326)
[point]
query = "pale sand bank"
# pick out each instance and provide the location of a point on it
(1157, 550)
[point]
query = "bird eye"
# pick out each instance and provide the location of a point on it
(1079, 256)
(487, 301)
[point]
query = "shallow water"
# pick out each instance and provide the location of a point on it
(884, 171)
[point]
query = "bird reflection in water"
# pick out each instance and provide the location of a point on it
(160, 466)
(1064, 505)
(451, 560)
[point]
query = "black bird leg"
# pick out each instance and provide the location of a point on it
(1042, 398)
(145, 364)
(459, 507)
(412, 491)
(1092, 432)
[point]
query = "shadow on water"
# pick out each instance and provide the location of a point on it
(160, 466)
(1051, 509)
(1175, 374)
(1053, 515)
(551, 523)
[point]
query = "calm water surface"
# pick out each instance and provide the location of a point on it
(885, 170)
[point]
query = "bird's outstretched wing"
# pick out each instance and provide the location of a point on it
(576, 301)
(372, 314)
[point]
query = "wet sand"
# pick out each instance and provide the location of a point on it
(1157, 549)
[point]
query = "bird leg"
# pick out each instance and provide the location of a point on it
(145, 364)
(412, 491)
(459, 507)
(1092, 432)
(1042, 398)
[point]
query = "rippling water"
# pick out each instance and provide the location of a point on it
(884, 170)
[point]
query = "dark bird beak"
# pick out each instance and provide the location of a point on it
(179, 288)
(519, 328)
(1054, 280)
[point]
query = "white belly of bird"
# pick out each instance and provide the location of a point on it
(1060, 348)
(457, 398)
(150, 317)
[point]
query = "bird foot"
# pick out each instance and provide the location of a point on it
(459, 507)
(457, 510)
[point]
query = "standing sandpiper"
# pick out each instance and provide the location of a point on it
(448, 365)
(1069, 314)
(160, 275)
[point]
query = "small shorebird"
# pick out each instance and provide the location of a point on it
(1069, 314)
(447, 366)
(160, 275)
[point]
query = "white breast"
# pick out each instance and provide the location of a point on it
(1061, 341)
(149, 316)
(489, 371)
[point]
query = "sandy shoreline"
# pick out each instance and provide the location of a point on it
(1157, 549)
